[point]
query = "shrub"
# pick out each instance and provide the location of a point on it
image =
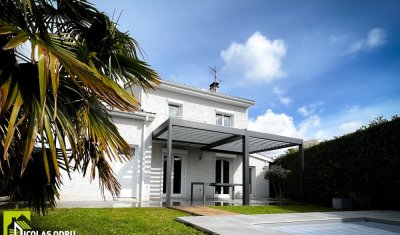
(278, 176)
(363, 165)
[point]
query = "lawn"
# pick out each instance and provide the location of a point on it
(273, 209)
(141, 220)
(113, 221)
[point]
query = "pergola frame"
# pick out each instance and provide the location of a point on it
(223, 139)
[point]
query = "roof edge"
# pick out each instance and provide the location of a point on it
(170, 85)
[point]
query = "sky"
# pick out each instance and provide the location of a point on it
(315, 68)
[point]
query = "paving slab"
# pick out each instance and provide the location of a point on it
(265, 223)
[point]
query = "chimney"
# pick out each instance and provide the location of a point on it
(214, 87)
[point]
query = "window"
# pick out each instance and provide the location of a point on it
(174, 110)
(251, 172)
(224, 120)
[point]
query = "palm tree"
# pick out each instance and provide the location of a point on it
(53, 113)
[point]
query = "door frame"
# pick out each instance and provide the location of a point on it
(183, 155)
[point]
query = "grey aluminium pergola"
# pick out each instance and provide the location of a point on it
(223, 139)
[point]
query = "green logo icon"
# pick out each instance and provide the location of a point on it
(16, 222)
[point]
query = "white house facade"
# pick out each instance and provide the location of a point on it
(196, 155)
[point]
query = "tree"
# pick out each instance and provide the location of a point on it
(277, 175)
(53, 113)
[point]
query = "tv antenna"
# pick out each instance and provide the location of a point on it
(215, 85)
(213, 72)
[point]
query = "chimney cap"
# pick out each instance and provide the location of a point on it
(214, 86)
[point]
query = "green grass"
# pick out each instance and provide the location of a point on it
(113, 221)
(273, 209)
(141, 220)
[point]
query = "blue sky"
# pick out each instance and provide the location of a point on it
(316, 69)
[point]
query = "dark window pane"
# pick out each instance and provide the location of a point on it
(226, 175)
(177, 175)
(165, 176)
(250, 179)
(218, 176)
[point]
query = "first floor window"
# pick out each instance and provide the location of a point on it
(174, 110)
(224, 120)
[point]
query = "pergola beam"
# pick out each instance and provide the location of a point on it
(301, 172)
(168, 183)
(221, 142)
(273, 137)
(246, 171)
(273, 148)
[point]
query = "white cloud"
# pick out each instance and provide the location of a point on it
(376, 37)
(303, 110)
(259, 58)
(285, 100)
(281, 95)
(307, 110)
(308, 124)
(283, 124)
(270, 122)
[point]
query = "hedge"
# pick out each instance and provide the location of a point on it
(363, 165)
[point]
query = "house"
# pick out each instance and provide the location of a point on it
(183, 135)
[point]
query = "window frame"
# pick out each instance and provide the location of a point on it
(179, 106)
(223, 116)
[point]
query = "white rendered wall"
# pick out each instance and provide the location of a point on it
(81, 188)
(260, 185)
(141, 178)
(192, 108)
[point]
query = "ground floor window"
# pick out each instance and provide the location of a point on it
(251, 171)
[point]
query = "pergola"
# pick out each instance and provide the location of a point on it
(223, 139)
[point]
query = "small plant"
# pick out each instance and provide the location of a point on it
(277, 175)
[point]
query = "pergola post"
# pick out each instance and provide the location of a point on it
(301, 172)
(169, 165)
(246, 171)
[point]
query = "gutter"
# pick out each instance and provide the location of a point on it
(138, 115)
(143, 153)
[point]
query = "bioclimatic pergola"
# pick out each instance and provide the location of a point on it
(223, 139)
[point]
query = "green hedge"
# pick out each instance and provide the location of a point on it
(364, 165)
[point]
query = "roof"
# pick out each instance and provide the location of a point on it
(220, 138)
(205, 93)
